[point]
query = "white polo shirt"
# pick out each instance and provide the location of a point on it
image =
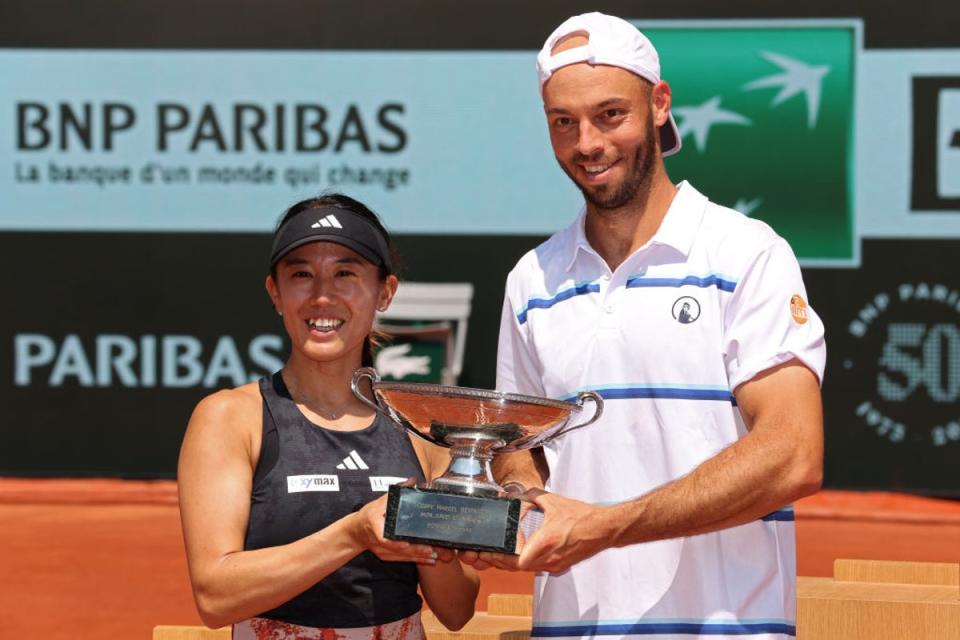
(710, 301)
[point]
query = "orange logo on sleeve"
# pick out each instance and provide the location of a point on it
(798, 309)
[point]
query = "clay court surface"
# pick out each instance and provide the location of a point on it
(103, 559)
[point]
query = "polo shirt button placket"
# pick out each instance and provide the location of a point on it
(608, 318)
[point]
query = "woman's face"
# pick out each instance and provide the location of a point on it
(328, 294)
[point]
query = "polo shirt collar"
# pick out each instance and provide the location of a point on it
(679, 227)
(578, 239)
(677, 230)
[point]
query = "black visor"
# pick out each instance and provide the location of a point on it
(332, 224)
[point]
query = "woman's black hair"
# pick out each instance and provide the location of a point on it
(341, 201)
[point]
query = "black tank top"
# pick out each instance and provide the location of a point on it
(308, 477)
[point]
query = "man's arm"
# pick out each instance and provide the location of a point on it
(777, 462)
(521, 470)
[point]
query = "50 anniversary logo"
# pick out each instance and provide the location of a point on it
(907, 352)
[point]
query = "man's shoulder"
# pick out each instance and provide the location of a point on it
(729, 224)
(728, 235)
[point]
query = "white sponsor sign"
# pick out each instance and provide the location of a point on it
(315, 482)
(382, 483)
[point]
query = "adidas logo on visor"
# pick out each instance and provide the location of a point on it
(353, 461)
(329, 221)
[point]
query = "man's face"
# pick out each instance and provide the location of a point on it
(603, 131)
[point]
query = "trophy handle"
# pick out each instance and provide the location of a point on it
(582, 397)
(358, 375)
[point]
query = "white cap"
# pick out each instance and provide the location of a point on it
(612, 41)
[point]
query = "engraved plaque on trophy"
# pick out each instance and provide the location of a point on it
(465, 508)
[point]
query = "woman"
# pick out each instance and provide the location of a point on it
(281, 482)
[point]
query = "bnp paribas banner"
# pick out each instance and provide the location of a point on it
(224, 141)
(790, 122)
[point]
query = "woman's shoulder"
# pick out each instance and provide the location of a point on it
(224, 426)
(242, 404)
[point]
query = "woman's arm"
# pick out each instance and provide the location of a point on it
(449, 587)
(215, 476)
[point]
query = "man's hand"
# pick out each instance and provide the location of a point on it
(571, 531)
(483, 560)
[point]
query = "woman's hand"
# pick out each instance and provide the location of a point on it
(368, 532)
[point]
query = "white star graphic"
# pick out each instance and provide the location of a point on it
(698, 120)
(797, 77)
(746, 207)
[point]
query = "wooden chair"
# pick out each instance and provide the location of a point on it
(881, 600)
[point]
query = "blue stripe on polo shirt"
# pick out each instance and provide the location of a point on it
(578, 289)
(588, 286)
(659, 391)
(711, 280)
(780, 515)
(663, 626)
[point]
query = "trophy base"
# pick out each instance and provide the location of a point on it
(448, 519)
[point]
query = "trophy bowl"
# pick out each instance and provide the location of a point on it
(465, 507)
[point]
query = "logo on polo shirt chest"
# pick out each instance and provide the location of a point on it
(686, 310)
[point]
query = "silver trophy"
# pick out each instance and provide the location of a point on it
(465, 507)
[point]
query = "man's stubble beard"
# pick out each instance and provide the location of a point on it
(636, 188)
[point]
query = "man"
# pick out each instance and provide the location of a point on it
(668, 517)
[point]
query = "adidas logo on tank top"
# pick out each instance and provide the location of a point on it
(353, 462)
